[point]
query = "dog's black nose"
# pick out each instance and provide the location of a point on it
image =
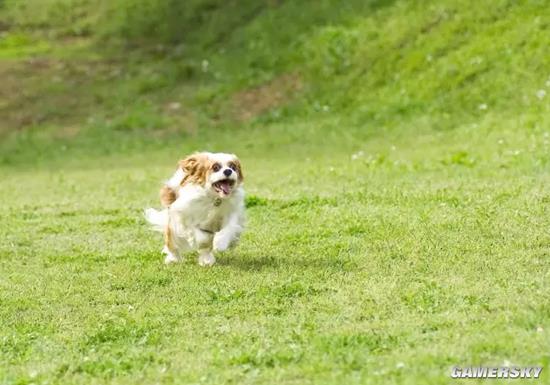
(227, 172)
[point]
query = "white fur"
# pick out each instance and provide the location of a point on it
(175, 180)
(201, 218)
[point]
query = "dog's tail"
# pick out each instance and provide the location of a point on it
(159, 219)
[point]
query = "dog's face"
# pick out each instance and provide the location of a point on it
(219, 172)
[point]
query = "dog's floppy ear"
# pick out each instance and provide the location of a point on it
(239, 168)
(195, 167)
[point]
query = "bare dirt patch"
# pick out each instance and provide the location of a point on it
(250, 103)
(46, 91)
(23, 101)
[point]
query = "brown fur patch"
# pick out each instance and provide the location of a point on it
(196, 167)
(239, 168)
(169, 239)
(167, 196)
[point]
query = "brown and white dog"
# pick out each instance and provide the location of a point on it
(204, 207)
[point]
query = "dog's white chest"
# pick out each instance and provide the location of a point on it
(205, 213)
(214, 218)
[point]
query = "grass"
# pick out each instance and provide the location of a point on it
(396, 157)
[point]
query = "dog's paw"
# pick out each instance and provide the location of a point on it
(207, 260)
(221, 243)
(170, 257)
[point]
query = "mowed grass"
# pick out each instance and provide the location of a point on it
(351, 271)
(398, 196)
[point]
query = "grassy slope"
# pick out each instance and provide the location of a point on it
(397, 227)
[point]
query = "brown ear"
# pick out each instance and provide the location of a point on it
(239, 168)
(195, 167)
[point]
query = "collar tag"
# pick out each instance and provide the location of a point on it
(217, 202)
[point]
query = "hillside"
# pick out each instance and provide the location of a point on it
(371, 67)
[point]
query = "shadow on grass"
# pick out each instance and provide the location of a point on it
(269, 262)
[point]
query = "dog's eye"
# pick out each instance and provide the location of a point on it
(216, 167)
(233, 166)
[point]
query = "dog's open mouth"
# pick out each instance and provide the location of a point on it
(224, 186)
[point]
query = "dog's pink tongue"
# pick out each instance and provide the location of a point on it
(225, 187)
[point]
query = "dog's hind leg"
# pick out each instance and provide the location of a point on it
(170, 256)
(170, 249)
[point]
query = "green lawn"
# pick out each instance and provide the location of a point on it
(397, 167)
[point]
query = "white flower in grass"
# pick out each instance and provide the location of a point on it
(174, 106)
(400, 365)
(541, 94)
(204, 65)
(357, 155)
(482, 106)
(476, 60)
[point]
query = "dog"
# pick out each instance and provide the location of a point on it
(204, 207)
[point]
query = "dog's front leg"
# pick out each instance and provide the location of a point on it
(229, 233)
(204, 243)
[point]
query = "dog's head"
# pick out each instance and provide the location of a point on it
(222, 173)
